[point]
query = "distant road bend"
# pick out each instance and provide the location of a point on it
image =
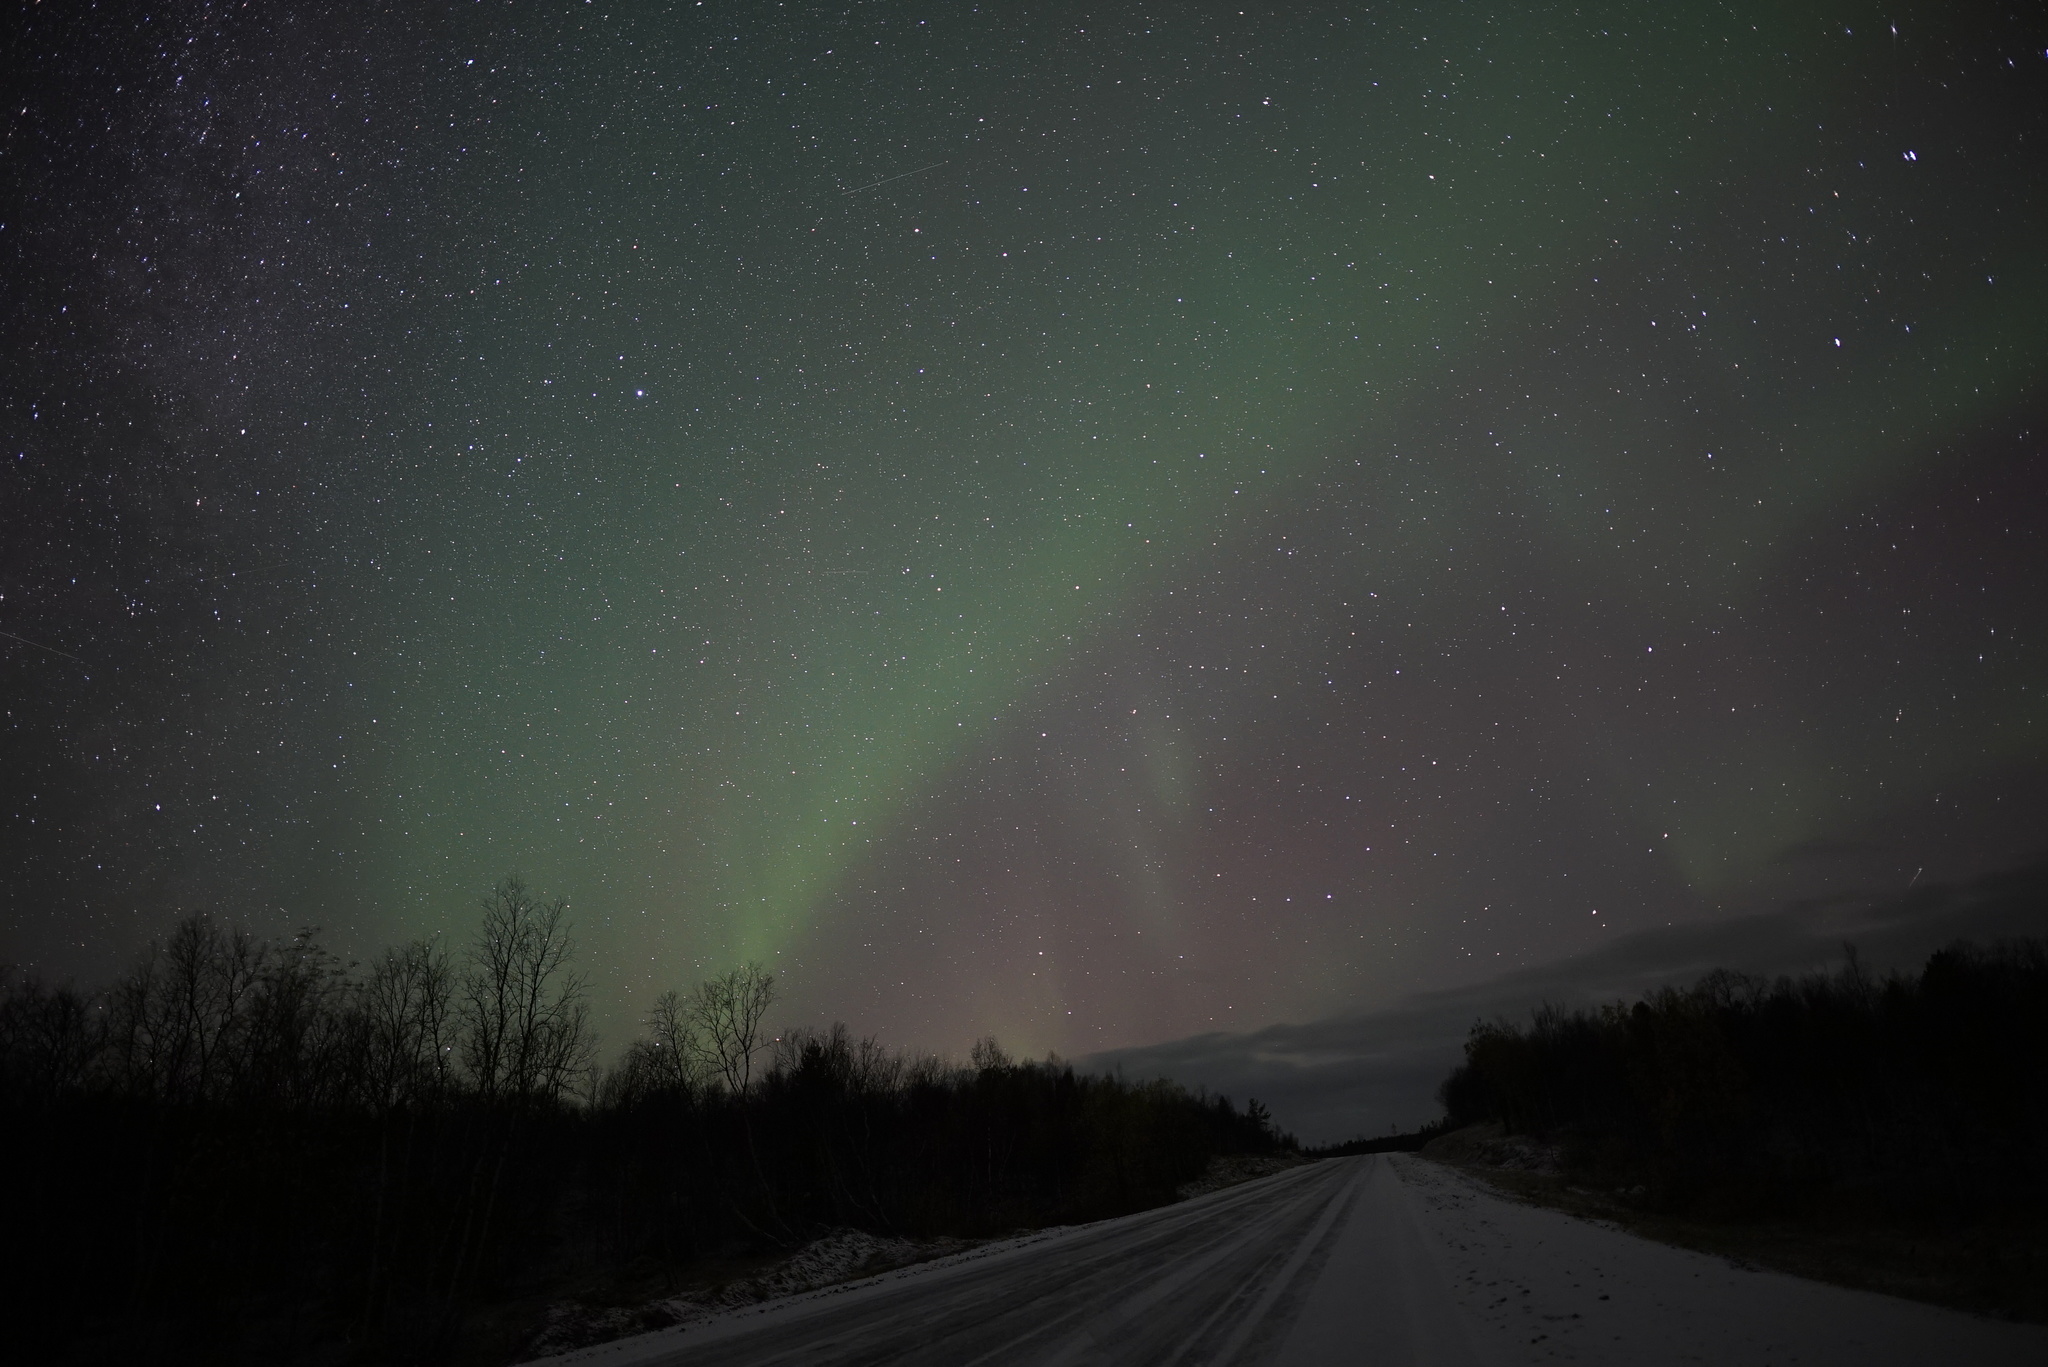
(1382, 1261)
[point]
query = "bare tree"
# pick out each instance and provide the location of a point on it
(676, 1056)
(671, 1058)
(302, 1039)
(406, 1006)
(177, 1021)
(727, 1013)
(213, 971)
(49, 1039)
(523, 1010)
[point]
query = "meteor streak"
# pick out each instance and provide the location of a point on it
(40, 646)
(886, 179)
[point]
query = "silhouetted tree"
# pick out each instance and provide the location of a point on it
(523, 1011)
(50, 1039)
(407, 1007)
(725, 1017)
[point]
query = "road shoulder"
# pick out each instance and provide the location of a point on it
(1539, 1285)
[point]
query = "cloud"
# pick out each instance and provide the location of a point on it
(1343, 1076)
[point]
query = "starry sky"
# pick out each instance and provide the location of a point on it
(1091, 524)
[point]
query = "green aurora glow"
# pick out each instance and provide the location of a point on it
(727, 514)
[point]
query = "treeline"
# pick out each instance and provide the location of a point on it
(1414, 1141)
(1918, 1098)
(250, 1150)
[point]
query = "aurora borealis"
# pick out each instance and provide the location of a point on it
(1087, 524)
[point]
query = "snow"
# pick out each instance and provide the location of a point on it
(841, 1256)
(1391, 1259)
(1539, 1286)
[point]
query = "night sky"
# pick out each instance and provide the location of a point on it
(1087, 524)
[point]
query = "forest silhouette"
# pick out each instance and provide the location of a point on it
(1888, 1131)
(1922, 1096)
(247, 1150)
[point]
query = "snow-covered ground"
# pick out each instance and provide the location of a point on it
(841, 1256)
(1538, 1286)
(1382, 1260)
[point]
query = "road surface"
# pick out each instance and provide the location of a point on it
(1388, 1261)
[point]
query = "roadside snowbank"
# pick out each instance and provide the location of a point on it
(841, 1256)
(1538, 1286)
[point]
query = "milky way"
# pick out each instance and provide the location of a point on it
(1091, 526)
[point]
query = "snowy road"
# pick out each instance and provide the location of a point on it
(1383, 1261)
